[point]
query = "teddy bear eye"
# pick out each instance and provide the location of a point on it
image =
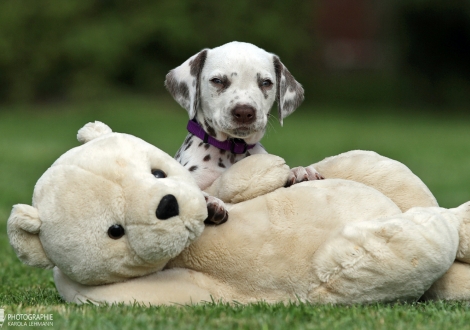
(159, 174)
(116, 231)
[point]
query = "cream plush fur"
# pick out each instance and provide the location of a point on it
(371, 231)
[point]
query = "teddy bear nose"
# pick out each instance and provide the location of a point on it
(167, 208)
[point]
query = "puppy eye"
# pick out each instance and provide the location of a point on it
(267, 83)
(116, 231)
(216, 81)
(159, 174)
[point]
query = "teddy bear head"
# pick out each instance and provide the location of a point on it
(113, 208)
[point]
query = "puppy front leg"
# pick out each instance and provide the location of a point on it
(300, 174)
(217, 213)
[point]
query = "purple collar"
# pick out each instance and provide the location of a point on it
(236, 146)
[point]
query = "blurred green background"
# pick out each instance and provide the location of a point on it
(392, 76)
(395, 52)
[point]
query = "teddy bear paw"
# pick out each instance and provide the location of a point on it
(216, 212)
(300, 174)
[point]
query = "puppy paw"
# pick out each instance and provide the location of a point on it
(217, 214)
(300, 174)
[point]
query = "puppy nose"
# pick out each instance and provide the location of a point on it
(167, 208)
(244, 114)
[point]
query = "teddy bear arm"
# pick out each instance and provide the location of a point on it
(388, 259)
(252, 176)
(168, 287)
(463, 213)
(390, 177)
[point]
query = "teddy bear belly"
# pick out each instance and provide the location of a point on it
(266, 248)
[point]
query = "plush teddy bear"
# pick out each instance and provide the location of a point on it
(121, 221)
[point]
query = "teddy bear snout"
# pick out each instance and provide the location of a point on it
(168, 207)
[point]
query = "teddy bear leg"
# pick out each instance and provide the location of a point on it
(454, 285)
(168, 287)
(387, 259)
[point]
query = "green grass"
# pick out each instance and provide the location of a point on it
(437, 149)
(259, 316)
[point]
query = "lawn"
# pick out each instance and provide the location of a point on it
(436, 148)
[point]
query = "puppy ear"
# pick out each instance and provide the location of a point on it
(289, 93)
(23, 232)
(91, 131)
(183, 82)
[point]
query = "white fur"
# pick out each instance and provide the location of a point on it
(240, 63)
(107, 181)
(242, 66)
(322, 241)
(327, 241)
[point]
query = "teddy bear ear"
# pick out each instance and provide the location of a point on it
(23, 232)
(91, 131)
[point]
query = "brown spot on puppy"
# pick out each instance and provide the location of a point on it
(264, 85)
(209, 129)
(221, 83)
(197, 63)
(189, 145)
(179, 90)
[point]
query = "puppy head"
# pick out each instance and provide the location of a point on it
(231, 89)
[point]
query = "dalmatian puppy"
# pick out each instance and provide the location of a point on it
(228, 93)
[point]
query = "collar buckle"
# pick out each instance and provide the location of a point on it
(235, 142)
